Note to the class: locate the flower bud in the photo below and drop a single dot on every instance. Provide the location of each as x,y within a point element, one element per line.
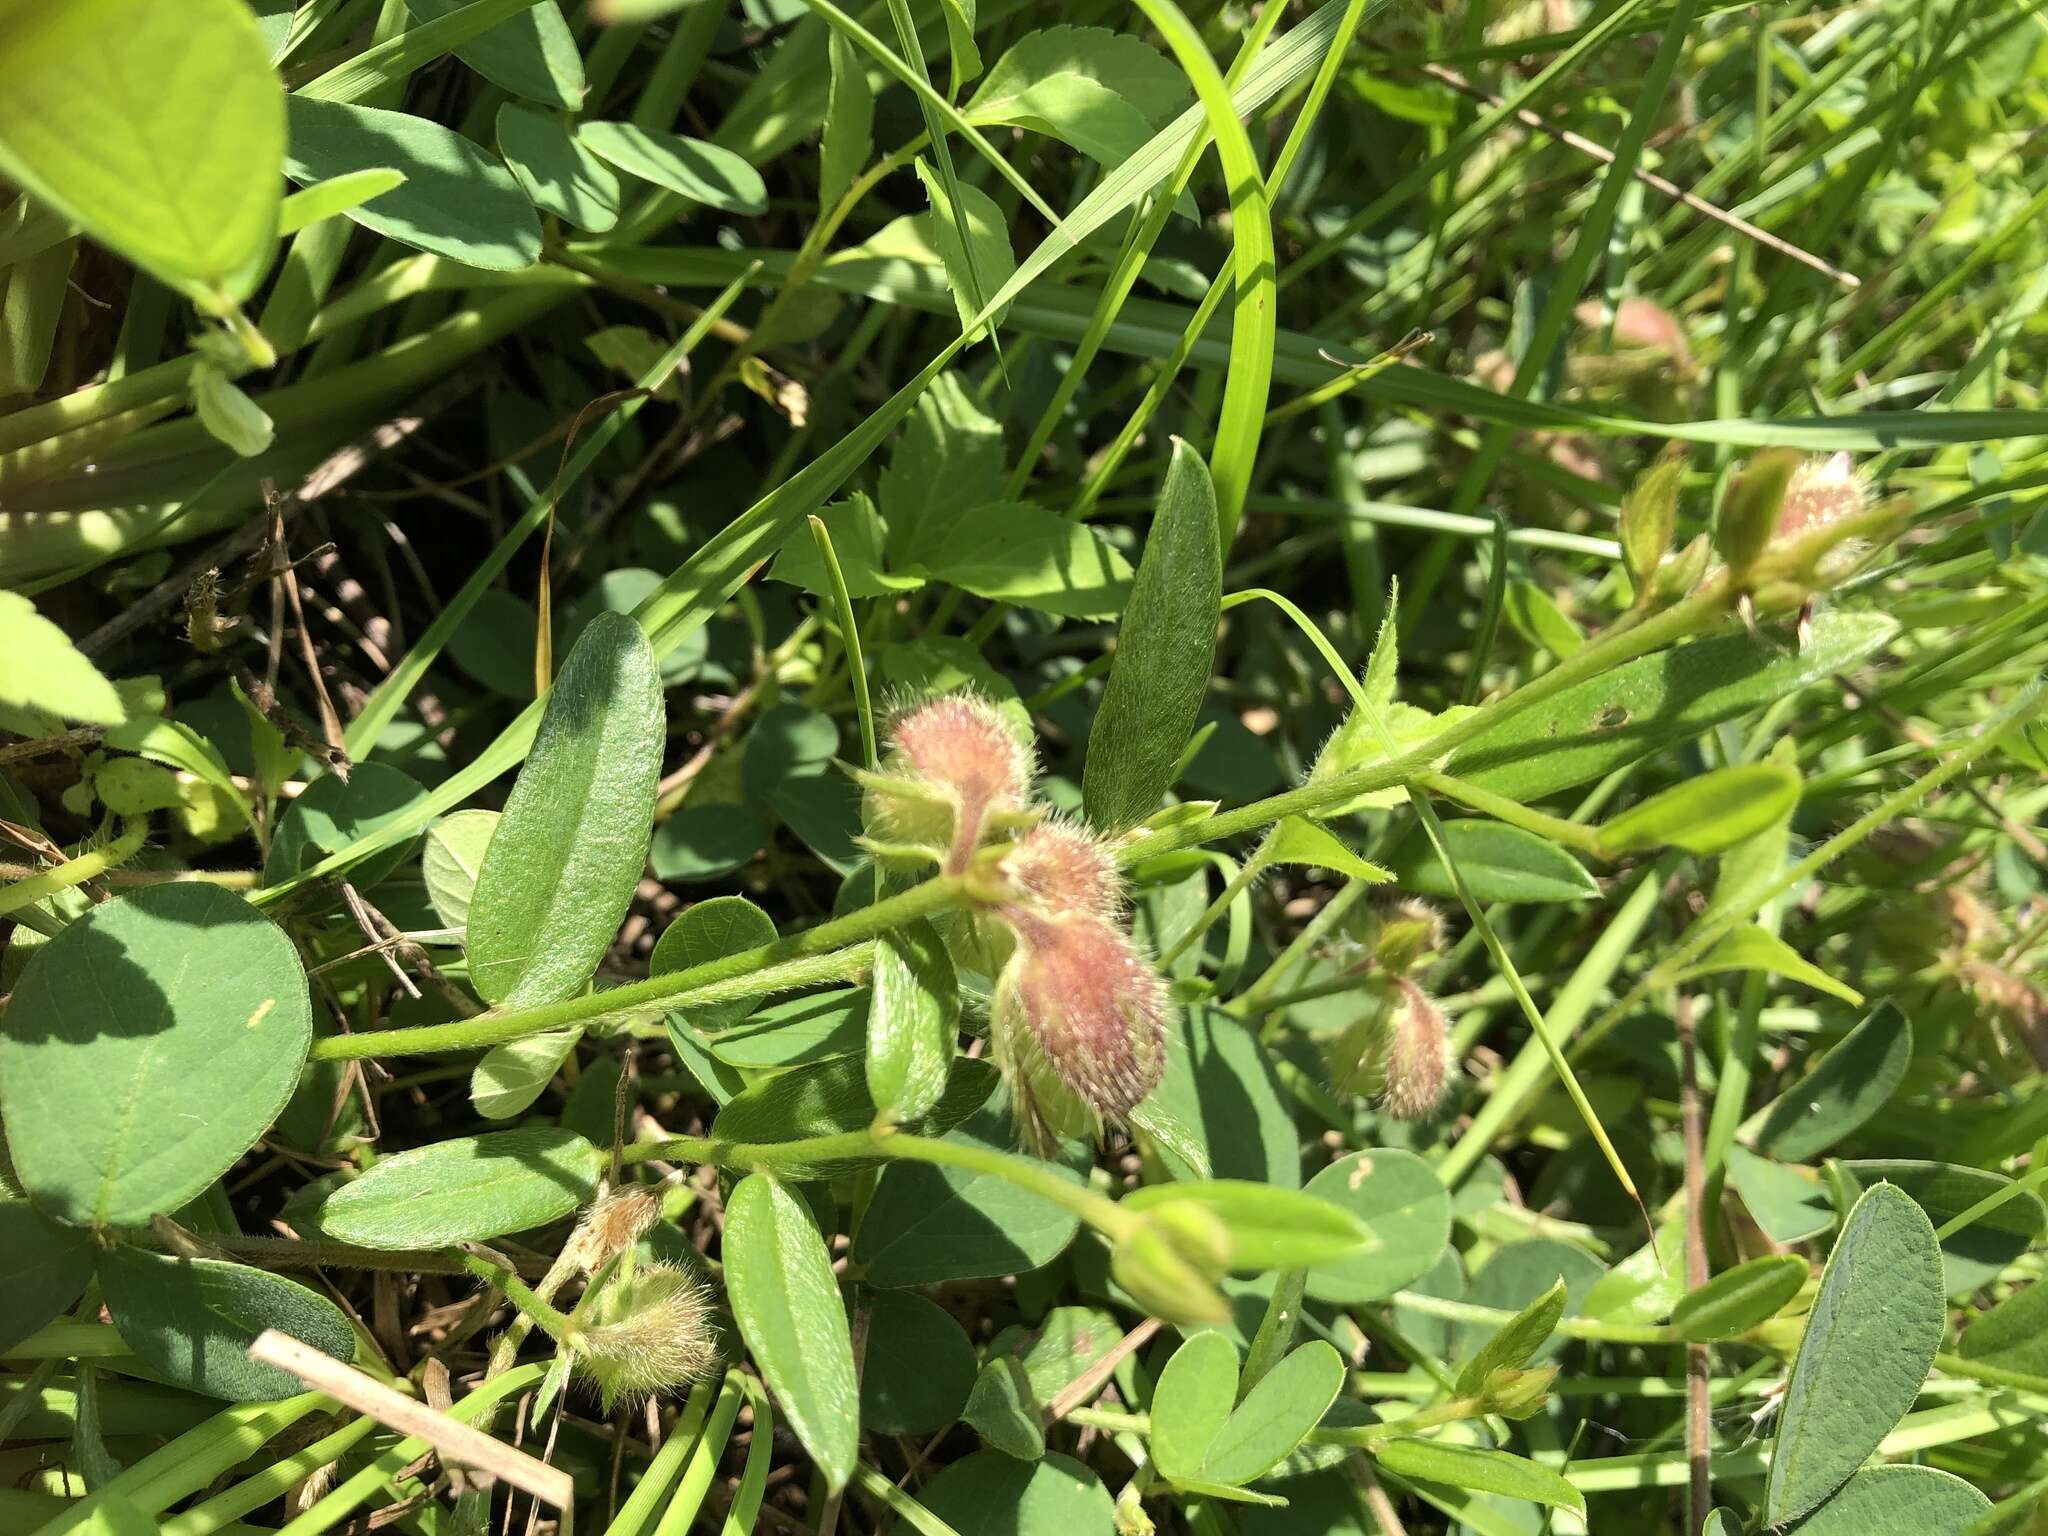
<point>1078,1001</point>
<point>1409,937</point>
<point>1061,869</point>
<point>954,765</point>
<point>611,1226</point>
<point>1418,1062</point>
<point>653,1335</point>
<point>1153,1263</point>
<point>1751,506</point>
<point>1517,1393</point>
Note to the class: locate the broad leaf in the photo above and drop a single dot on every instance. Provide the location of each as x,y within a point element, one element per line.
<point>973,241</point>
<point>1103,92</point>
<point>193,1320</point>
<point>45,671</point>
<point>2014,1334</point>
<point>1869,1340</point>
<point>991,1494</point>
<point>1841,1091</point>
<point>563,864</point>
<point>450,859</point>
<point>1401,1201</point>
<point>1789,1204</point>
<point>467,1189</point>
<point>1275,1416</point>
<point>43,1269</point>
<point>1269,1228</point>
<point>146,1047</point>
<point>532,54</point>
<point>831,1098</point>
<point>512,1076</point>
<point>786,1301</point>
<point>1196,1392</point>
<point>917,1369</point>
<point>557,173</point>
<point>1975,1255</point>
<point>157,128</point>
<point>950,458</point>
<point>1896,1501</point>
<point>711,930</point>
<point>1019,553</point>
<point>1003,1410</point>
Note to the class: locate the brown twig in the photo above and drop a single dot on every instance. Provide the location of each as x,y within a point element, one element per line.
<point>1089,1382</point>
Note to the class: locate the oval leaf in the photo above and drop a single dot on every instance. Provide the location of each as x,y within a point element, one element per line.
<point>712,930</point>
<point>1166,646</point>
<point>917,1369</point>
<point>43,1268</point>
<point>1842,1090</point>
<point>1974,1255</point>
<point>703,173</point>
<point>1871,1337</point>
<point>913,1021</point>
<point>511,1076</point>
<point>562,866</point>
<point>147,1046</point>
<point>157,128</point>
<point>1276,1415</point>
<point>1706,814</point>
<point>557,173</point>
<point>1269,1228</point>
<point>531,54</point>
<point>786,1301</point>
<point>457,201</point>
<point>2013,1334</point>
<point>1499,863</point>
<point>450,858</point>
<point>1738,1299</point>
<point>193,1321</point>
<point>1896,1501</point>
<point>832,1097</point>
<point>1402,1203</point>
<point>1191,1403</point>
<point>465,1190</point>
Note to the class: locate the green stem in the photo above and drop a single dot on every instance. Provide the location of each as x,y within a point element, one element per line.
<point>1513,812</point>
<point>794,961</point>
<point>1570,1327</point>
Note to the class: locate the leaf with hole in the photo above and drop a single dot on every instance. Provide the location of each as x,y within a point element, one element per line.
<point>120,1033</point>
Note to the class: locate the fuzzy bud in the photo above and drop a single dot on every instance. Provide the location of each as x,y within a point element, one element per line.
<point>1061,869</point>
<point>1078,996</point>
<point>611,1226</point>
<point>954,766</point>
<point>1821,493</point>
<point>1751,506</point>
<point>1418,1064</point>
<point>1170,1270</point>
<point>654,1335</point>
<point>1409,937</point>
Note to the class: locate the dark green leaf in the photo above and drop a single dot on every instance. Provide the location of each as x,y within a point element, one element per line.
<point>2014,1334</point>
<point>786,1301</point>
<point>1402,1203</point>
<point>1869,1340</point>
<point>849,125</point>
<point>43,1269</point>
<point>532,54</point>
<point>703,173</point>
<point>146,1047</point>
<point>466,1189</point>
<point>556,172</point>
<point>562,866</point>
<point>193,1320</point>
<point>1499,863</point>
<point>333,812</point>
<point>1977,1254</point>
<point>1166,646</point>
<point>1842,1090</point>
<point>711,930</point>
<point>831,1097</point>
<point>1895,1501</point>
<point>1003,1411</point>
<point>990,1494</point>
<point>917,1369</point>
<point>1737,1299</point>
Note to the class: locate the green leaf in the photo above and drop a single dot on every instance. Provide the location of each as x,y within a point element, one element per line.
<point>1869,1340</point>
<point>786,1301</point>
<point>1269,1228</point>
<point>228,414</point>
<point>966,58</point>
<point>1737,1299</point>
<point>1191,1403</point>
<point>991,1494</point>
<point>973,242</point>
<point>1275,1416</point>
<point>1519,1275</point>
<point>913,1021</point>
<point>512,1076</point>
<point>532,54</point>
<point>711,930</point>
<point>450,858</point>
<point>557,174</point>
<point>1754,948</point>
<point>949,459</point>
<point>332,813</point>
<point>45,671</point>
<point>562,867</point>
<point>467,1189</point>
<point>43,1269</point>
<point>1220,1085</point>
<point>1895,1501</point>
<point>1015,552</point>
<point>831,1097</point>
<point>2013,1334</point>
<point>337,194</point>
<point>1166,647</point>
<point>928,1225</point>
<point>1499,863</point>
<point>1515,1342</point>
<point>691,168</point>
<point>1297,840</point>
<point>849,124</point>
<point>193,1320</point>
<point>1626,713</point>
<point>1401,1201</point>
<point>157,129</point>
<point>917,1368</point>
<point>1101,91</point>
<point>1002,1410</point>
<point>1706,814</point>
<point>1535,614</point>
<point>1975,1255</point>
<point>147,1046</point>
<point>1483,1471</point>
<point>458,200</point>
<point>858,539</point>
<point>1788,1204</point>
<point>1842,1090</point>
<point>816,1027</point>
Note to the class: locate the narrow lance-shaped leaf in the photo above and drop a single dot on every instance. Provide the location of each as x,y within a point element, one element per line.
<point>1483,1471</point>
<point>1706,814</point>
<point>564,861</point>
<point>1165,648</point>
<point>787,1303</point>
<point>1842,1090</point>
<point>1739,1298</point>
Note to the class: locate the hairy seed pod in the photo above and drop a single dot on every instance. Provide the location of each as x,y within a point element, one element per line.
<point>1418,1065</point>
<point>1062,869</point>
<point>612,1226</point>
<point>654,1335</point>
<point>954,765</point>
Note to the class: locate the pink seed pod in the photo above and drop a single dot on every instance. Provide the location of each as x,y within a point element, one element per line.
<point>1821,493</point>
<point>1061,869</point>
<point>953,752</point>
<point>1418,1063</point>
<point>1078,999</point>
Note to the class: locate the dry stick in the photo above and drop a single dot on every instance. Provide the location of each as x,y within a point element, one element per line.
<point>454,1441</point>
<point>1669,188</point>
<point>330,721</point>
<point>332,472</point>
<point>1698,1370</point>
<point>1089,1382</point>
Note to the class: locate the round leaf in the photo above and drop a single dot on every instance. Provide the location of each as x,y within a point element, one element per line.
<point>468,1189</point>
<point>1406,1208</point>
<point>147,1046</point>
<point>917,1369</point>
